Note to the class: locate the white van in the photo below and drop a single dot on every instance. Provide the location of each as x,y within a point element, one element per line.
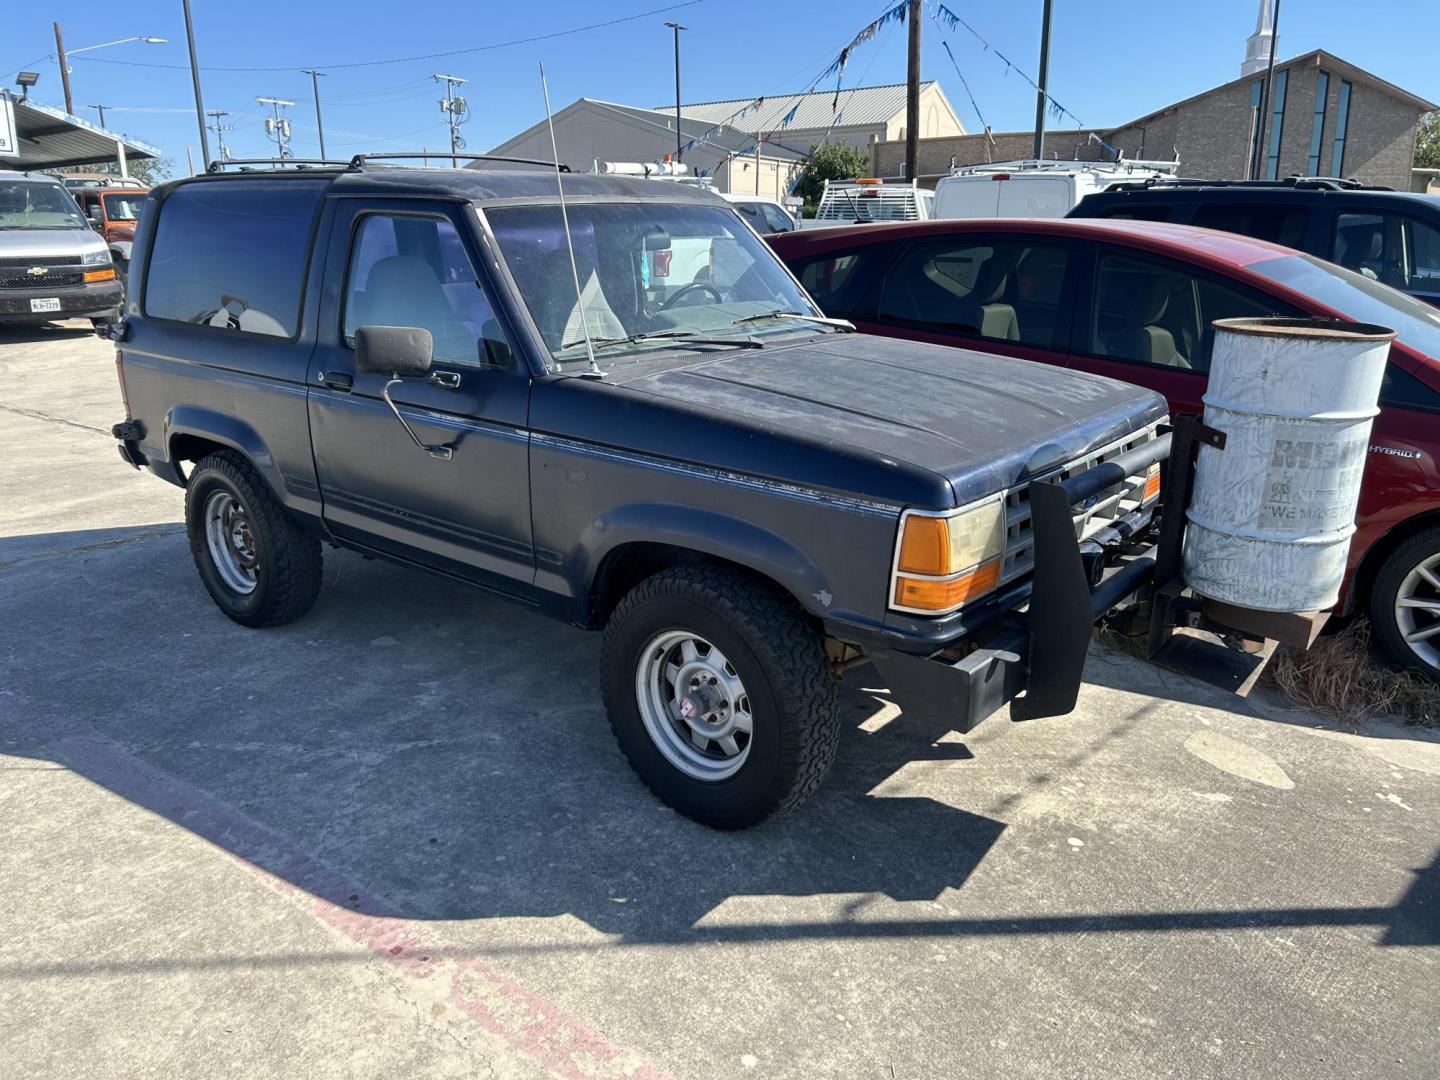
<point>1049,189</point>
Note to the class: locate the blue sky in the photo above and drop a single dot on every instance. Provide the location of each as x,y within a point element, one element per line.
<point>1111,60</point>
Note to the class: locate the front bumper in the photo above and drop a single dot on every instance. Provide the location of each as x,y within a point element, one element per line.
<point>76,302</point>
<point>1038,655</point>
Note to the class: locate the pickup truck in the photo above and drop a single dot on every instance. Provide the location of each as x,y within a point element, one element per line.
<point>455,370</point>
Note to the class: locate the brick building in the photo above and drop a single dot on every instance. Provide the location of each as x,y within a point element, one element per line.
<point>1326,117</point>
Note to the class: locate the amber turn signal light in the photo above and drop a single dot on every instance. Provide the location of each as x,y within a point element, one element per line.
<point>108,274</point>
<point>1152,486</point>
<point>929,594</point>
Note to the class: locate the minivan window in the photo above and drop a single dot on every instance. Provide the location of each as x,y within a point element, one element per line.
<point>231,254</point>
<point>27,204</point>
<point>1284,225</point>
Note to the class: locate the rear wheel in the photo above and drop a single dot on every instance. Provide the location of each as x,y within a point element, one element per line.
<point>720,695</point>
<point>258,565</point>
<point>1405,604</point>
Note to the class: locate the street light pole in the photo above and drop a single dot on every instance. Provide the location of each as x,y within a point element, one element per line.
<point>64,70</point>
<point>677,28</point>
<point>315,86</point>
<point>195,78</point>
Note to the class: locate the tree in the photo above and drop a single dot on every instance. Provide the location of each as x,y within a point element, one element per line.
<point>148,171</point>
<point>830,161</point>
<point>1427,142</point>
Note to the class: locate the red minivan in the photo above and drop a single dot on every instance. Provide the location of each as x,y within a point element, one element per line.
<point>1136,301</point>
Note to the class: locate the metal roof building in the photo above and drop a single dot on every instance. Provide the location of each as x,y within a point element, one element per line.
<point>50,138</point>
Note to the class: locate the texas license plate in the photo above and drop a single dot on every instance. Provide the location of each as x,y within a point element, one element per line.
<point>49,303</point>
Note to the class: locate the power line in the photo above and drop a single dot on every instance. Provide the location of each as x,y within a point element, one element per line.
<point>424,56</point>
<point>277,126</point>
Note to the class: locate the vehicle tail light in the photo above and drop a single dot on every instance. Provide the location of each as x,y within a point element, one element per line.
<point>1001,176</point>
<point>945,560</point>
<point>120,374</point>
<point>108,274</point>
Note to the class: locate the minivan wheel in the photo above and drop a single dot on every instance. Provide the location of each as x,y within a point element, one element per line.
<point>1405,604</point>
<point>720,695</point>
<point>258,565</point>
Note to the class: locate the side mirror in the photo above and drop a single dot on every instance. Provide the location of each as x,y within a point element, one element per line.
<point>96,220</point>
<point>393,350</point>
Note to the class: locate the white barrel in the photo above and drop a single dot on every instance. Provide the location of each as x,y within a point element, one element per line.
<point>1272,514</point>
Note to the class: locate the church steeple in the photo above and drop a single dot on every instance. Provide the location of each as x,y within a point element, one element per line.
<point>1259,44</point>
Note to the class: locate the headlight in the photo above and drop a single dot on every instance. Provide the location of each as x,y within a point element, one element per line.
<point>945,560</point>
<point>95,258</point>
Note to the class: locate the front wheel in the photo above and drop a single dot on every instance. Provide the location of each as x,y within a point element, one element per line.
<point>1405,604</point>
<point>720,695</point>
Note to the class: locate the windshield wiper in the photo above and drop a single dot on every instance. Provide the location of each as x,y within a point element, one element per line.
<point>839,324</point>
<point>689,337</point>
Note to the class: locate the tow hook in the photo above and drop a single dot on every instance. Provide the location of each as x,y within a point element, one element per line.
<point>129,431</point>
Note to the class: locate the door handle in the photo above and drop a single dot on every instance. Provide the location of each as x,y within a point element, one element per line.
<point>449,380</point>
<point>337,380</point>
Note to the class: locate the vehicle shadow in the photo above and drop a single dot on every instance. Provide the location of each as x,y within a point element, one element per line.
<point>33,333</point>
<point>421,750</point>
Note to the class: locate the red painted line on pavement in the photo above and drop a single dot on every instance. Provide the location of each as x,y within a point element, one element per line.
<point>535,1027</point>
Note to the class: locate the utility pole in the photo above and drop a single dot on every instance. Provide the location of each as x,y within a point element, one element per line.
<point>315,86</point>
<point>99,109</point>
<point>64,70</point>
<point>1041,97</point>
<point>912,96</point>
<point>456,113</point>
<point>677,28</point>
<point>199,103</point>
<point>1265,92</point>
<point>277,127</point>
<point>220,128</point>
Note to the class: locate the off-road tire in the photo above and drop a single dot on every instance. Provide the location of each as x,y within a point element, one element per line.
<point>777,652</point>
<point>1382,600</point>
<point>289,560</point>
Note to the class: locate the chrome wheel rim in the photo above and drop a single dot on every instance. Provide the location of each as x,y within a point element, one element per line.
<point>230,542</point>
<point>1417,610</point>
<point>694,705</point>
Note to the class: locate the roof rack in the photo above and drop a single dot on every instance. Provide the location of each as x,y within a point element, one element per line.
<point>1317,183</point>
<point>359,161</point>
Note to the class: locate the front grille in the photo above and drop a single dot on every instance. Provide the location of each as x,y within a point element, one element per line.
<point>40,281</point>
<point>1111,503</point>
<point>24,261</point>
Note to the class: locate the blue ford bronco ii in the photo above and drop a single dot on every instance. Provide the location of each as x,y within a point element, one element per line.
<point>634,419</point>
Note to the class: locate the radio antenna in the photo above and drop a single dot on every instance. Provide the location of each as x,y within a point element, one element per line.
<point>594,371</point>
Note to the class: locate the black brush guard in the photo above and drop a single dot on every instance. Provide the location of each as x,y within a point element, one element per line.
<point>1037,657</point>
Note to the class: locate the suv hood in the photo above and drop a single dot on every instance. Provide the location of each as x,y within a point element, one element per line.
<point>983,422</point>
<point>22,243</point>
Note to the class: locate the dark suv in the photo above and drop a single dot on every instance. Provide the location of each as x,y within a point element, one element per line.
<point>1388,236</point>
<point>634,419</point>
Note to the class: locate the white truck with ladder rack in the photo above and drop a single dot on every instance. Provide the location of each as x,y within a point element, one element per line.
<point>1033,188</point>
<point>871,199</point>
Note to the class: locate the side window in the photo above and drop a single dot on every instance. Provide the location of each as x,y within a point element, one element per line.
<point>776,219</point>
<point>1003,290</point>
<point>1370,244</point>
<point>1403,390</point>
<point>1283,225</point>
<point>412,270</point>
<point>835,281</point>
<point>1422,255</point>
<point>231,254</point>
<point>1138,212</point>
<point>1155,313</point>
<point>752,215</point>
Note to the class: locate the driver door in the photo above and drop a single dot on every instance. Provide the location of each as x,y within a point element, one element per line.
<point>409,263</point>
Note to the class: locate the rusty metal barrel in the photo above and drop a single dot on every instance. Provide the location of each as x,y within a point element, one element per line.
<point>1271,516</point>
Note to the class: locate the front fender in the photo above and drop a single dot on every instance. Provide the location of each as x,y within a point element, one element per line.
<point>707,532</point>
<point>120,249</point>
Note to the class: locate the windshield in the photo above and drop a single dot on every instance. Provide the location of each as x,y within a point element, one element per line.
<point>1416,324</point>
<point>28,205</point>
<point>645,268</point>
<point>123,207</point>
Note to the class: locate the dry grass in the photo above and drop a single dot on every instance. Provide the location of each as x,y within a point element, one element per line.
<point>1339,678</point>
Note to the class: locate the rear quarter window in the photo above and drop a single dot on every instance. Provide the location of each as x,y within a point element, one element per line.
<point>231,255</point>
<point>838,281</point>
<point>1128,211</point>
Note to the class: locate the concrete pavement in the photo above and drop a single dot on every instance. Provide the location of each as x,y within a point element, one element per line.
<point>396,839</point>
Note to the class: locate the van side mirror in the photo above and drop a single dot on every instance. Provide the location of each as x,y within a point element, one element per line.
<point>393,350</point>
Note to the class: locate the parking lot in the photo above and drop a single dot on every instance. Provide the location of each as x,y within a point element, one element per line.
<point>397,839</point>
